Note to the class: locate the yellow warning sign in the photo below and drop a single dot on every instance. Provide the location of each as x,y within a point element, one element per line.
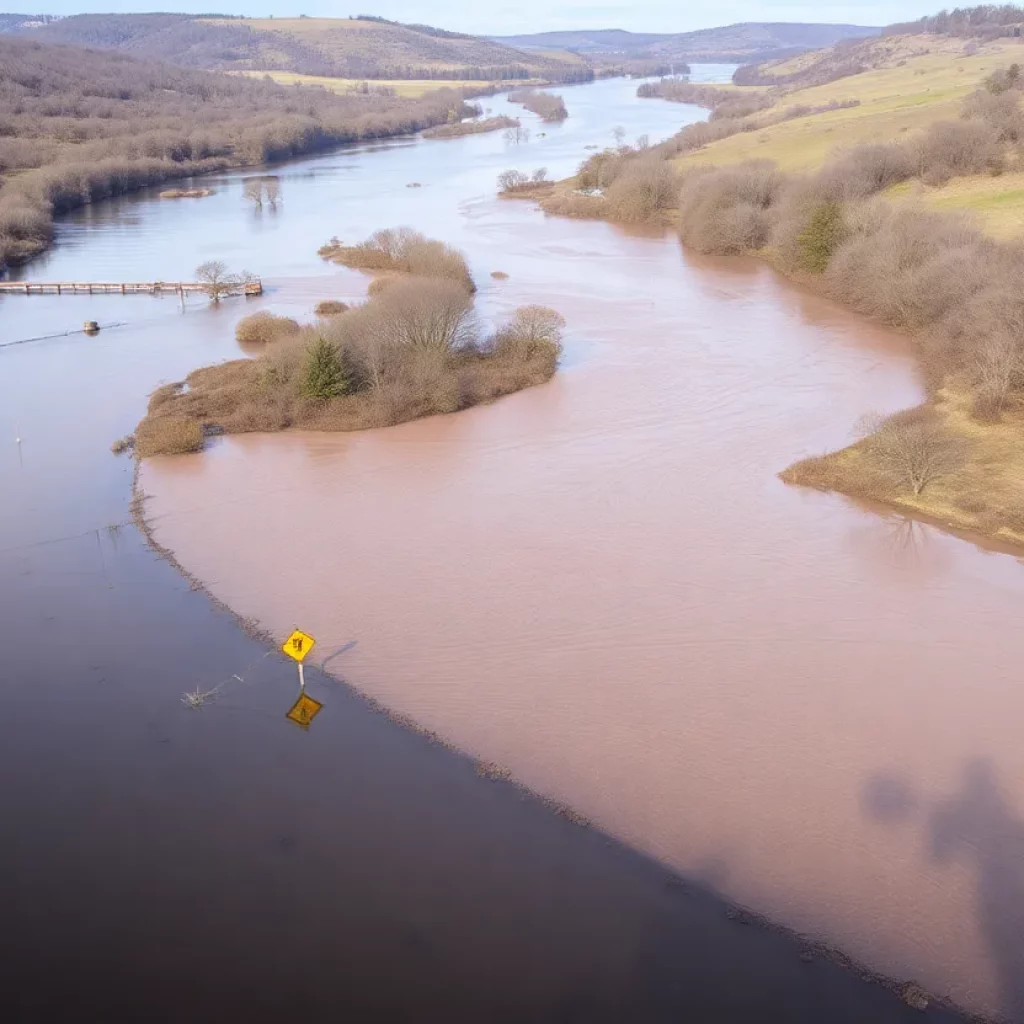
<point>304,710</point>
<point>298,645</point>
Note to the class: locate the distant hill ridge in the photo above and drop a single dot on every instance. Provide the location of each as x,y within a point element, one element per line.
<point>746,41</point>
<point>359,47</point>
<point>368,46</point>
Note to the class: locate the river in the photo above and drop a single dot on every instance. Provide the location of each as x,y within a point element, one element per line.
<point>600,584</point>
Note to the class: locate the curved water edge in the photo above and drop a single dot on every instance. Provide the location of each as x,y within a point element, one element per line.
<point>600,585</point>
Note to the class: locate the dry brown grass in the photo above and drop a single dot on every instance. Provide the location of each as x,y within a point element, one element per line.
<point>265,327</point>
<point>168,435</point>
<point>415,349</point>
<point>499,275</point>
<point>980,487</point>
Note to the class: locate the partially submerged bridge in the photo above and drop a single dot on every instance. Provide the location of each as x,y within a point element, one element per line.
<point>251,286</point>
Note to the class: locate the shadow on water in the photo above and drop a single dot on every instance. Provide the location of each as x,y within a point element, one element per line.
<point>977,826</point>
<point>245,869</point>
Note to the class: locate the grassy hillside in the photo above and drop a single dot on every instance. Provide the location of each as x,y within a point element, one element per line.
<point>749,41</point>
<point>909,83</point>
<point>354,48</point>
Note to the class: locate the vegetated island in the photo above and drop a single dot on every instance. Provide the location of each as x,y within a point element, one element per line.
<point>547,106</point>
<point>80,125</point>
<point>414,348</point>
<point>471,127</point>
<point>881,226</point>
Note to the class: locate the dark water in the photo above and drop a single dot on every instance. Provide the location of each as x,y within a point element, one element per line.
<point>166,864</point>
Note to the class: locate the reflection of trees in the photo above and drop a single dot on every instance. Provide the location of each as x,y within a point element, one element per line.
<point>262,190</point>
<point>906,537</point>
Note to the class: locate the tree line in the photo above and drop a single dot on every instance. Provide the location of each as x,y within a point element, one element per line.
<point>78,125</point>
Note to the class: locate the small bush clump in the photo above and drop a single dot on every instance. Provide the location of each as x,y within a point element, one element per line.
<point>264,327</point>
<point>168,435</point>
<point>330,307</point>
<point>402,250</point>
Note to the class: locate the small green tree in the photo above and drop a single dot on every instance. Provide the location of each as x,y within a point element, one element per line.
<point>819,240</point>
<point>323,376</point>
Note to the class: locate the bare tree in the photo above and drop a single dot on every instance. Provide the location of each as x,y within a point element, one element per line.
<point>511,181</point>
<point>272,190</point>
<point>214,276</point>
<point>431,315</point>
<point>914,448</point>
<point>619,135</point>
<point>643,142</point>
<point>997,369</point>
<point>540,176</point>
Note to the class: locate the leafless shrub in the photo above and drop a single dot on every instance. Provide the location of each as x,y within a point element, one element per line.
<point>533,331</point>
<point>913,449</point>
<point>950,148</point>
<point>1000,110</point>
<point>331,307</point>
<point>905,266</point>
<point>996,373</point>
<point>406,251</point>
<point>866,170</point>
<point>264,327</point>
<point>601,169</point>
<point>643,191</point>
<point>729,210</point>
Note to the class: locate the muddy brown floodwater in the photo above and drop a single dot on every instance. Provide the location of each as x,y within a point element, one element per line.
<point>599,584</point>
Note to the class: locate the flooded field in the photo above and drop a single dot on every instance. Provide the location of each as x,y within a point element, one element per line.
<point>598,584</point>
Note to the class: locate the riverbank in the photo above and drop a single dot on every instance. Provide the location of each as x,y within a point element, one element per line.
<point>856,230</point>
<point>206,122</point>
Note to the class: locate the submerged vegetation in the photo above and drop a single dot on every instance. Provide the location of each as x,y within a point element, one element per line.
<point>474,127</point>
<point>547,106</point>
<point>415,348</point>
<point>80,125</point>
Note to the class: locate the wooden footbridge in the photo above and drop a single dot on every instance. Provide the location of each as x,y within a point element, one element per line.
<point>251,286</point>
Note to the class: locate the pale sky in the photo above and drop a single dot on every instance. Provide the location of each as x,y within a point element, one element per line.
<point>493,17</point>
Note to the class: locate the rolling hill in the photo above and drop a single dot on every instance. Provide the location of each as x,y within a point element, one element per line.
<point>338,47</point>
<point>748,41</point>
